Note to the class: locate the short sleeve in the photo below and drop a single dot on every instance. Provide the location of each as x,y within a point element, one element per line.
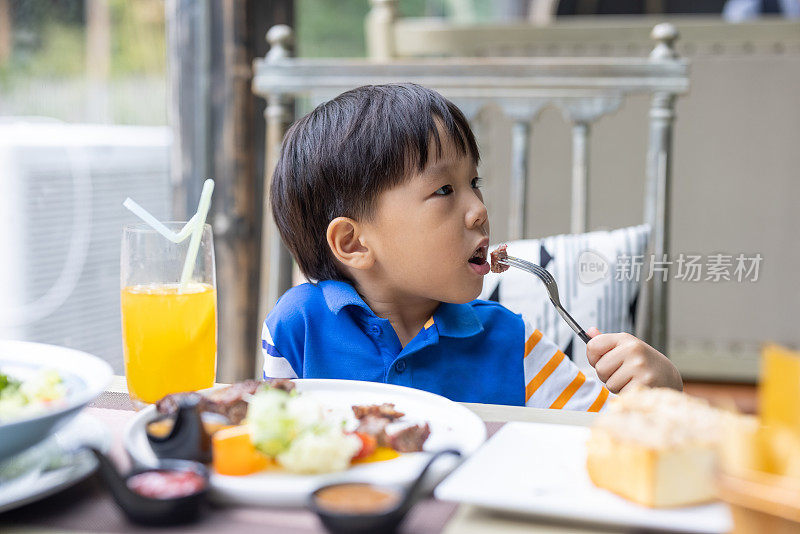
<point>275,365</point>
<point>283,338</point>
<point>553,381</point>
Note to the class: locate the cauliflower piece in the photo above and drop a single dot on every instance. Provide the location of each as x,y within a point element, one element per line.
<point>324,450</point>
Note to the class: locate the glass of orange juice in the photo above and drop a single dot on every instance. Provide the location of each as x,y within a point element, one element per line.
<point>169,330</point>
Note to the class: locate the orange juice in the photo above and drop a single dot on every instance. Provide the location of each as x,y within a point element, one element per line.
<point>169,339</point>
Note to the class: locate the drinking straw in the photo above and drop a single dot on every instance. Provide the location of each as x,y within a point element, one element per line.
<point>193,228</point>
<point>143,214</point>
<point>197,232</point>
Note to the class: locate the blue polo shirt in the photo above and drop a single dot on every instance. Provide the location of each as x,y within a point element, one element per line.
<point>475,352</point>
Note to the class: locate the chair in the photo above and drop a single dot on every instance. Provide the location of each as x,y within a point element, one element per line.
<point>585,89</point>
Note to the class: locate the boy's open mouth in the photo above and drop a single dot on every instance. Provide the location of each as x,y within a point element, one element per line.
<point>479,256</point>
<point>478,261</point>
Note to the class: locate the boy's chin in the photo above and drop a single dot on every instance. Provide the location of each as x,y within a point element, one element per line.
<point>465,296</point>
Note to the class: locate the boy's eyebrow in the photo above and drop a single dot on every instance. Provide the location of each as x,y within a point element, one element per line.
<point>442,167</point>
<point>438,168</point>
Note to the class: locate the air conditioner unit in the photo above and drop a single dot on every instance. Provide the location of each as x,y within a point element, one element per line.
<point>61,218</point>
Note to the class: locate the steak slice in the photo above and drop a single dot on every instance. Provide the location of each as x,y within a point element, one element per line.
<point>284,384</point>
<point>498,255</point>
<point>374,419</point>
<point>376,427</point>
<point>169,404</point>
<point>410,439</point>
<point>230,401</point>
<point>385,410</point>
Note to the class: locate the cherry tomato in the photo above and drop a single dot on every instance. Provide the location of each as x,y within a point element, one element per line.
<point>368,445</point>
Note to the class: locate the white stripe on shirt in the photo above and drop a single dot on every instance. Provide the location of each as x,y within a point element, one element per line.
<point>265,335</point>
<point>274,366</point>
<point>277,367</point>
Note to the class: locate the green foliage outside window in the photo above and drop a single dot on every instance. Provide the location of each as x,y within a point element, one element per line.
<point>335,28</point>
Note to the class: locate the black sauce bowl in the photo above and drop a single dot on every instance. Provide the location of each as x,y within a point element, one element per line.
<point>187,438</point>
<point>148,510</point>
<point>381,522</point>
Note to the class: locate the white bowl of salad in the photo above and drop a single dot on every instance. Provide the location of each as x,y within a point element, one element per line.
<point>41,388</point>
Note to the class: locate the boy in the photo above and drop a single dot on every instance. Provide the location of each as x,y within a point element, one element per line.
<point>377,197</point>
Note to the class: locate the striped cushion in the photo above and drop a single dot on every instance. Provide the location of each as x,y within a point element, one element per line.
<point>607,301</point>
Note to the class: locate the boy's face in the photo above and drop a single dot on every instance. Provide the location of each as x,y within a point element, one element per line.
<point>430,235</point>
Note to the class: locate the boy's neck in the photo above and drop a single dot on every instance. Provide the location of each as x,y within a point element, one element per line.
<point>407,314</point>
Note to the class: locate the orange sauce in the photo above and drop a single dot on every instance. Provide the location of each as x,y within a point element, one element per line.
<point>160,428</point>
<point>356,499</point>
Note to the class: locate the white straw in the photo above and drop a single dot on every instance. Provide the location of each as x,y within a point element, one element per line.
<point>199,221</point>
<point>193,228</point>
<point>143,214</point>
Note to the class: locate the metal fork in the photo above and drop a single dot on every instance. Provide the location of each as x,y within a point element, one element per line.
<point>552,290</point>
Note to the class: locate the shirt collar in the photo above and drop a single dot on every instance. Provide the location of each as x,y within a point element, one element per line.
<point>456,320</point>
<point>340,294</point>
<point>452,320</point>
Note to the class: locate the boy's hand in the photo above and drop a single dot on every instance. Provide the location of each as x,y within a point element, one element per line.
<point>623,361</point>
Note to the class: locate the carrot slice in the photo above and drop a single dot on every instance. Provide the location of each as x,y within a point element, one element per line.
<point>235,455</point>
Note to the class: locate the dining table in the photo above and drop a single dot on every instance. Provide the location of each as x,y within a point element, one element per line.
<point>87,507</point>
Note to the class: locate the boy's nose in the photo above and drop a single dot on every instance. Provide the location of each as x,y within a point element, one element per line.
<point>477,215</point>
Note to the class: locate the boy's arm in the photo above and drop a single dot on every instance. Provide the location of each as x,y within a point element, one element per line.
<point>553,381</point>
<point>623,361</point>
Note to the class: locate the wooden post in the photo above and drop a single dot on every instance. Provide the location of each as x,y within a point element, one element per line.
<point>187,93</point>
<point>234,212</point>
<point>218,133</point>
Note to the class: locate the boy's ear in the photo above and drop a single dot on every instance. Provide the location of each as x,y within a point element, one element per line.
<point>344,241</point>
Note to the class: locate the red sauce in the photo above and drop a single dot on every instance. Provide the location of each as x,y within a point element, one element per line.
<point>166,484</point>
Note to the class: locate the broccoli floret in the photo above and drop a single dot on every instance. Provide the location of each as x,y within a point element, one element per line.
<point>8,384</point>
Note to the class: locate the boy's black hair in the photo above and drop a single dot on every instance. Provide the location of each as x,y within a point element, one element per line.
<point>336,160</point>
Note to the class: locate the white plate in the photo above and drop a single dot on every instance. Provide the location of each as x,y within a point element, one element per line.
<point>539,469</point>
<point>452,426</point>
<point>86,377</point>
<point>44,479</point>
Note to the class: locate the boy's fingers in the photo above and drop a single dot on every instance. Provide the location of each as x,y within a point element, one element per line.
<point>619,380</point>
<point>609,364</point>
<point>602,343</point>
<point>593,331</point>
<point>632,384</point>
<point>622,378</point>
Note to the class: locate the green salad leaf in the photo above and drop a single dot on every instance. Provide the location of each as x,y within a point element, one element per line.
<point>19,398</point>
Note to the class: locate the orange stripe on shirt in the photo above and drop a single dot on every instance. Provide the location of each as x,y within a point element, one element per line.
<point>428,324</point>
<point>542,375</point>
<point>568,392</point>
<point>599,401</point>
<point>532,341</point>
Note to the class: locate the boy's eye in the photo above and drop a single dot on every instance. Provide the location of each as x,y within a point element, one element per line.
<point>477,182</point>
<point>444,190</point>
